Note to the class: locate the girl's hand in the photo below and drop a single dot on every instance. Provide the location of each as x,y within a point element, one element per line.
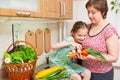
<point>76,46</point>
<point>79,56</point>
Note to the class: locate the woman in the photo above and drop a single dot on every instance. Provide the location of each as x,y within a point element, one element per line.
<point>103,37</point>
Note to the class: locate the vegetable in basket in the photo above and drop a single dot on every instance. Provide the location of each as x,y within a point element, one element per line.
<point>7,58</point>
<point>22,61</point>
<point>20,54</point>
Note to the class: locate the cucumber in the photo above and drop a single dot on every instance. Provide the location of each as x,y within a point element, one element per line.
<point>51,75</point>
<point>59,76</point>
<point>55,73</point>
<point>45,78</point>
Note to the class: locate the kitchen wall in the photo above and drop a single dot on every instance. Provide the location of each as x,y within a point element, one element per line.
<point>22,26</point>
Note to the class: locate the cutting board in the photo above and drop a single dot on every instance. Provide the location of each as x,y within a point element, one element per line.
<point>39,41</point>
<point>47,40</point>
<point>30,37</point>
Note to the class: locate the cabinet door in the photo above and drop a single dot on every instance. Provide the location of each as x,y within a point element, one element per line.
<point>67,9</point>
<point>51,8</point>
<point>21,8</point>
<point>60,9</point>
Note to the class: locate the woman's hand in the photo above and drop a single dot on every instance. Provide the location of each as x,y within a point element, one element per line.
<point>91,57</point>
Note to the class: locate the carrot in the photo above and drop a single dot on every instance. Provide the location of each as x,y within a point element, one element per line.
<point>83,54</point>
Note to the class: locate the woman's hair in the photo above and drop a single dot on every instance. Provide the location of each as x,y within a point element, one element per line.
<point>78,25</point>
<point>100,5</point>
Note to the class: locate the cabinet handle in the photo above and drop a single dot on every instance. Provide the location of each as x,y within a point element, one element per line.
<point>64,9</point>
<point>26,14</point>
<point>61,9</point>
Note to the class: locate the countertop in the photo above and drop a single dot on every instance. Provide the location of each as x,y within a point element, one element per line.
<point>3,74</point>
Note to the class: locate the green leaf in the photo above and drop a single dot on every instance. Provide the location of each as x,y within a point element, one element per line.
<point>112,2</point>
<point>96,54</point>
<point>23,54</point>
<point>117,10</point>
<point>7,55</point>
<point>17,57</point>
<point>115,6</point>
<point>59,76</point>
<point>119,5</point>
<point>112,7</point>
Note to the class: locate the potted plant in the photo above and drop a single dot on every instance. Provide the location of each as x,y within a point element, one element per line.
<point>115,5</point>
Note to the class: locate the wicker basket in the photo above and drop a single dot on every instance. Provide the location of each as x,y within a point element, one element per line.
<point>20,71</point>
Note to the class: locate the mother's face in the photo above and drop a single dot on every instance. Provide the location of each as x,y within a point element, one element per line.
<point>94,14</point>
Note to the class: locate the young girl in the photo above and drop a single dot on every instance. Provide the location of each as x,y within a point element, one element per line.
<point>76,72</point>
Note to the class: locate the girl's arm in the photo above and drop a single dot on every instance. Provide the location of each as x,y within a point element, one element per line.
<point>64,44</point>
<point>60,45</point>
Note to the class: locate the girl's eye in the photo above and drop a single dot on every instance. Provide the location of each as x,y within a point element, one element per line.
<point>80,35</point>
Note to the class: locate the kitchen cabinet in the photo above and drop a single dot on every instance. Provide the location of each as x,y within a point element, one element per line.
<point>56,9</point>
<point>61,9</point>
<point>68,9</point>
<point>21,8</point>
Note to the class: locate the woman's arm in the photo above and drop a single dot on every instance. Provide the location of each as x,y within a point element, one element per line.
<point>113,50</point>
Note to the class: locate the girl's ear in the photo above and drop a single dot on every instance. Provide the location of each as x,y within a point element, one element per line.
<point>72,33</point>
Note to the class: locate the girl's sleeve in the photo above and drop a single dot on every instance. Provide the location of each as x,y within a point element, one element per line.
<point>69,39</point>
<point>111,31</point>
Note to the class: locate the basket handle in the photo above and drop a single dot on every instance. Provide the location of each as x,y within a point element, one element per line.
<point>18,41</point>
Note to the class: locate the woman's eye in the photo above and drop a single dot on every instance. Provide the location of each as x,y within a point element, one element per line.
<point>93,12</point>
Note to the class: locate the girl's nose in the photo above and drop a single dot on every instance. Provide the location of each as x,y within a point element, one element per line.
<point>82,38</point>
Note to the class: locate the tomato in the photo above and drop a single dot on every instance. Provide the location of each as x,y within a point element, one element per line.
<point>84,53</point>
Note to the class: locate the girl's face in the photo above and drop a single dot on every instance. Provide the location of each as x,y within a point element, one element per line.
<point>80,35</point>
<point>94,15</point>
